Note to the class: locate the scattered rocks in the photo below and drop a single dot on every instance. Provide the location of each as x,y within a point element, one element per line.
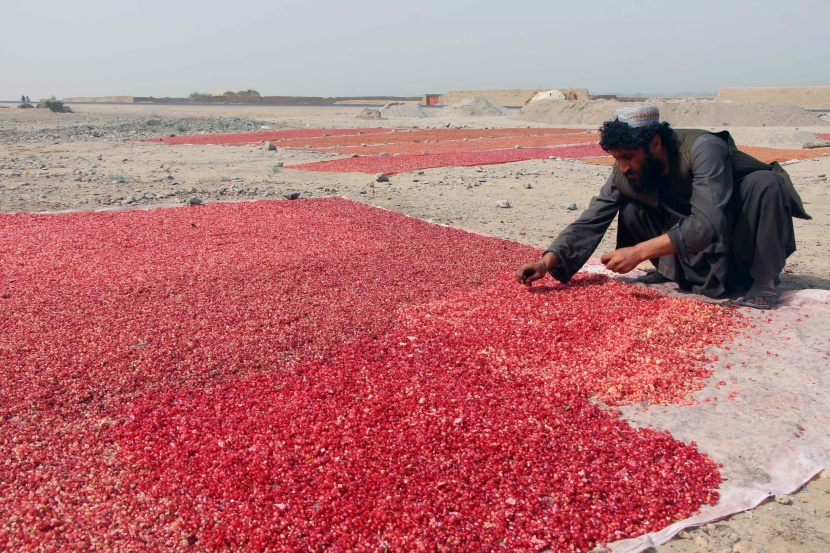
<point>194,200</point>
<point>381,177</point>
<point>270,146</point>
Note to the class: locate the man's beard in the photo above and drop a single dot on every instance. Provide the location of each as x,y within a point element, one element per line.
<point>650,176</point>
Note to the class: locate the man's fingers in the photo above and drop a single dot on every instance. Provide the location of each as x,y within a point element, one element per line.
<point>527,274</point>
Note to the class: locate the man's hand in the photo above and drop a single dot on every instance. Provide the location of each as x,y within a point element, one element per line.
<point>534,271</point>
<point>622,260</point>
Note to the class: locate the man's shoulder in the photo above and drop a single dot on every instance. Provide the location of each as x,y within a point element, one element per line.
<point>694,141</point>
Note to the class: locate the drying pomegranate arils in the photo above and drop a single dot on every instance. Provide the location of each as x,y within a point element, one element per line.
<point>403,163</point>
<point>325,375</point>
<point>443,146</point>
<point>238,139</point>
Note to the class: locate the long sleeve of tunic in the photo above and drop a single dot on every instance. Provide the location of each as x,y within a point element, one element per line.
<point>575,245</point>
<point>702,217</point>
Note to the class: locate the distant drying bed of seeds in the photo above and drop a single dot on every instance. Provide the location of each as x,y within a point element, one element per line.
<point>320,374</point>
<point>390,151</point>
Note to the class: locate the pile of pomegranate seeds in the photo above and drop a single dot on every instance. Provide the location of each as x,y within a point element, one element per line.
<point>429,136</point>
<point>768,155</point>
<point>237,139</point>
<point>457,146</point>
<point>401,164</point>
<point>322,374</point>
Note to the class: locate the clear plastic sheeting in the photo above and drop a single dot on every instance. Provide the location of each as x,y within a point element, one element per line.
<point>764,415</point>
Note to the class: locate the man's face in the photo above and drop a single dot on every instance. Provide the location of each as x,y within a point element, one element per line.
<point>642,168</point>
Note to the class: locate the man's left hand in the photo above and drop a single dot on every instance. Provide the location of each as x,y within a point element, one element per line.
<point>622,260</point>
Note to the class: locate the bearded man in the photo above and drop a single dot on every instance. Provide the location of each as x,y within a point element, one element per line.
<point>709,217</point>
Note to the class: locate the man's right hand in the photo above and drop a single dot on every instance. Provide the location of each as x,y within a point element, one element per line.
<point>534,271</point>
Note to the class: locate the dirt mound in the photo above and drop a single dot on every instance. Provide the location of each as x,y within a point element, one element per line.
<point>369,113</point>
<point>475,106</point>
<point>402,109</point>
<point>680,112</point>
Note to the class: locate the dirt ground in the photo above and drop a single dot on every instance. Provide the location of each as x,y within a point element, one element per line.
<point>91,159</point>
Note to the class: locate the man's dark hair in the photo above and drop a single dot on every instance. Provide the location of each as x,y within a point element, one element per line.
<point>618,134</point>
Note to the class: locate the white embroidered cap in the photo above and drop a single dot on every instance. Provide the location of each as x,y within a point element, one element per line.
<point>638,116</point>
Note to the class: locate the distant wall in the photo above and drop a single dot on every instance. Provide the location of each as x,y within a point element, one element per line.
<point>807,97</point>
<point>101,99</point>
<point>511,97</point>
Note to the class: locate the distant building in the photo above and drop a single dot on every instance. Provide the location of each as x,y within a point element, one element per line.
<point>431,100</point>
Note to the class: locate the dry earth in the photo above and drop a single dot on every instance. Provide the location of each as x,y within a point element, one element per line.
<point>90,159</point>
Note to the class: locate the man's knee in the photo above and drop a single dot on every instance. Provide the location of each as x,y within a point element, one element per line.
<point>762,186</point>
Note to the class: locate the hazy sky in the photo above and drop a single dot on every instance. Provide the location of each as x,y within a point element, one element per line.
<point>372,47</point>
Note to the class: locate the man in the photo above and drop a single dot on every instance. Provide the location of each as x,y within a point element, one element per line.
<point>707,215</point>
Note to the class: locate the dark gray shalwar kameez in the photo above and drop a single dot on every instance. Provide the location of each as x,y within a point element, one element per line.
<point>729,226</point>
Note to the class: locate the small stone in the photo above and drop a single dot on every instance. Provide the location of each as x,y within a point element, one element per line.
<point>291,195</point>
<point>528,186</point>
<point>381,177</point>
<point>270,146</point>
<point>825,474</point>
<point>701,542</point>
<point>784,499</point>
<point>570,206</point>
<point>504,204</point>
<point>279,164</point>
<point>383,154</point>
<point>684,535</point>
<point>149,196</point>
<point>194,200</point>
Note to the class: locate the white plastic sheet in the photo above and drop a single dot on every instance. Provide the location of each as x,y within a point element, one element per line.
<point>773,435</point>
